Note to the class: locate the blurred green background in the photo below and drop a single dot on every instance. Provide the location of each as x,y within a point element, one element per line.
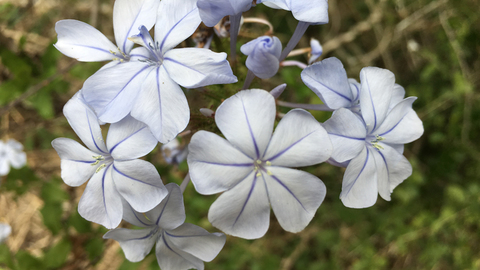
<point>432,222</point>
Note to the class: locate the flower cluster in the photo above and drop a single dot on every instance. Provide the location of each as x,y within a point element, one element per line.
<point>138,93</point>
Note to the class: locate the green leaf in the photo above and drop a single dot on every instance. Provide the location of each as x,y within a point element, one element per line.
<point>94,248</point>
<point>80,224</point>
<point>52,192</point>
<point>25,261</point>
<point>57,255</point>
<point>52,216</point>
<point>5,257</point>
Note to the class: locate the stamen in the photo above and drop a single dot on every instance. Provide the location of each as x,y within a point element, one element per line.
<point>268,163</point>
<point>269,172</point>
<point>259,174</point>
<point>100,167</point>
<point>97,159</point>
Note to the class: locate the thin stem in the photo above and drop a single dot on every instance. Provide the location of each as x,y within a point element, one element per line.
<point>260,20</point>
<point>234,27</point>
<point>248,79</point>
<point>185,182</point>
<point>315,107</point>
<point>293,63</point>
<point>297,35</point>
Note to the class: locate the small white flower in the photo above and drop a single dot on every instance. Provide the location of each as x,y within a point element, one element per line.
<point>11,154</point>
<point>5,231</point>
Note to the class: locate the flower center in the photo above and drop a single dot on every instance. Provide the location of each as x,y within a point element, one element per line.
<point>260,165</point>
<point>375,142</point>
<point>145,39</point>
<point>103,161</point>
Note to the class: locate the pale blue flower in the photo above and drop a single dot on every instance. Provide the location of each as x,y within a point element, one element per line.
<point>316,52</point>
<point>371,141</point>
<point>5,231</point>
<point>112,167</point>
<point>263,53</point>
<point>179,245</point>
<point>11,154</point>
<point>212,11</point>
<point>251,167</point>
<point>149,89</point>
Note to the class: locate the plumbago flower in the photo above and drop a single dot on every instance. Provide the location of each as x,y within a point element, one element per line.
<point>263,54</point>
<point>85,43</point>
<point>316,52</point>
<point>251,168</point>
<point>149,90</point>
<point>372,144</point>
<point>179,245</point>
<point>11,154</point>
<point>113,168</point>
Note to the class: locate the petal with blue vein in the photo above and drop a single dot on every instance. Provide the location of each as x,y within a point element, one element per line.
<point>128,16</point>
<point>135,218</point>
<point>83,42</point>
<point>244,210</point>
<point>170,213</point>
<point>246,120</point>
<point>140,54</point>
<point>359,186</point>
<point>212,11</point>
<point>76,161</point>
<point>130,139</point>
<point>139,183</point>
<point>162,105</point>
<point>197,67</point>
<point>136,244</point>
<point>215,165</point>
<point>169,257</point>
<point>299,140</point>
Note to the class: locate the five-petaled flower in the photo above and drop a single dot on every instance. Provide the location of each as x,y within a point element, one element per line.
<point>179,245</point>
<point>113,168</point>
<point>251,166</point>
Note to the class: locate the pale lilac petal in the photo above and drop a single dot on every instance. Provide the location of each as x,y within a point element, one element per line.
<point>316,52</point>
<point>85,123</point>
<point>77,162</point>
<point>176,21</point>
<point>299,140</point>
<point>312,11</point>
<point>375,95</point>
<point>162,105</point>
<point>215,165</point>
<point>140,54</point>
<point>170,213</point>
<point>246,120</point>
<point>139,183</point>
<point>347,133</point>
<point>402,124</point>
<point>263,54</point>
<point>392,169</point>
<point>128,16</point>
<point>135,218</point>
<point>197,241</point>
<point>244,210</point>
<point>82,41</point>
<point>4,166</point>
<point>6,230</point>
<point>136,244</point>
<point>101,203</point>
<point>359,187</point>
<point>169,257</point>
<point>112,92</point>
<point>328,80</point>
<point>398,95</point>
<point>15,154</point>
<point>129,139</point>
<point>212,11</point>
<point>197,67</point>
<point>355,87</point>
<point>294,195</point>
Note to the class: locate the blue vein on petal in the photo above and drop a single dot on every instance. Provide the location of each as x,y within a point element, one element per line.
<point>91,132</point>
<point>166,244</point>
<point>103,191</point>
<point>284,186</point>
<point>164,206</point>
<point>175,25</point>
<point>364,165</point>
<point>358,91</point>
<point>181,64</point>
<point>347,137</point>
<point>286,149</point>
<point>130,29</point>
<point>251,132</point>
<point>373,105</point>
<point>223,164</point>
<point>144,237</point>
<point>390,130</point>
<point>341,95</point>
<point>246,200</point>
<point>135,214</point>
<point>126,138</point>
<point>82,161</point>
<point>128,176</point>
<point>159,97</point>
<point>182,236</point>
<point>95,48</point>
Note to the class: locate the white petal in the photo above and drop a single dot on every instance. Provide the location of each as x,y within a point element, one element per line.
<point>197,67</point>
<point>162,105</point>
<point>136,244</point>
<point>299,140</point>
<point>176,21</point>
<point>212,11</point>
<point>295,196</point>
<point>85,123</point>
<point>197,241</point>
<point>140,54</point>
<point>347,133</point>
<point>129,139</point>
<point>139,183</point>
<point>169,257</point>
<point>15,154</point>
<point>402,124</point>
<point>215,165</point>
<point>76,161</point>
<point>398,95</point>
<point>392,169</point>
<point>135,218</point>
<point>243,211</point>
<point>377,89</point>
<point>111,92</point>
<point>246,120</point>
<point>328,79</point>
<point>101,203</point>
<point>170,213</point>
<point>79,40</point>
<point>4,166</point>
<point>359,187</point>
<point>128,16</point>
<point>5,231</point>
<point>312,11</point>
